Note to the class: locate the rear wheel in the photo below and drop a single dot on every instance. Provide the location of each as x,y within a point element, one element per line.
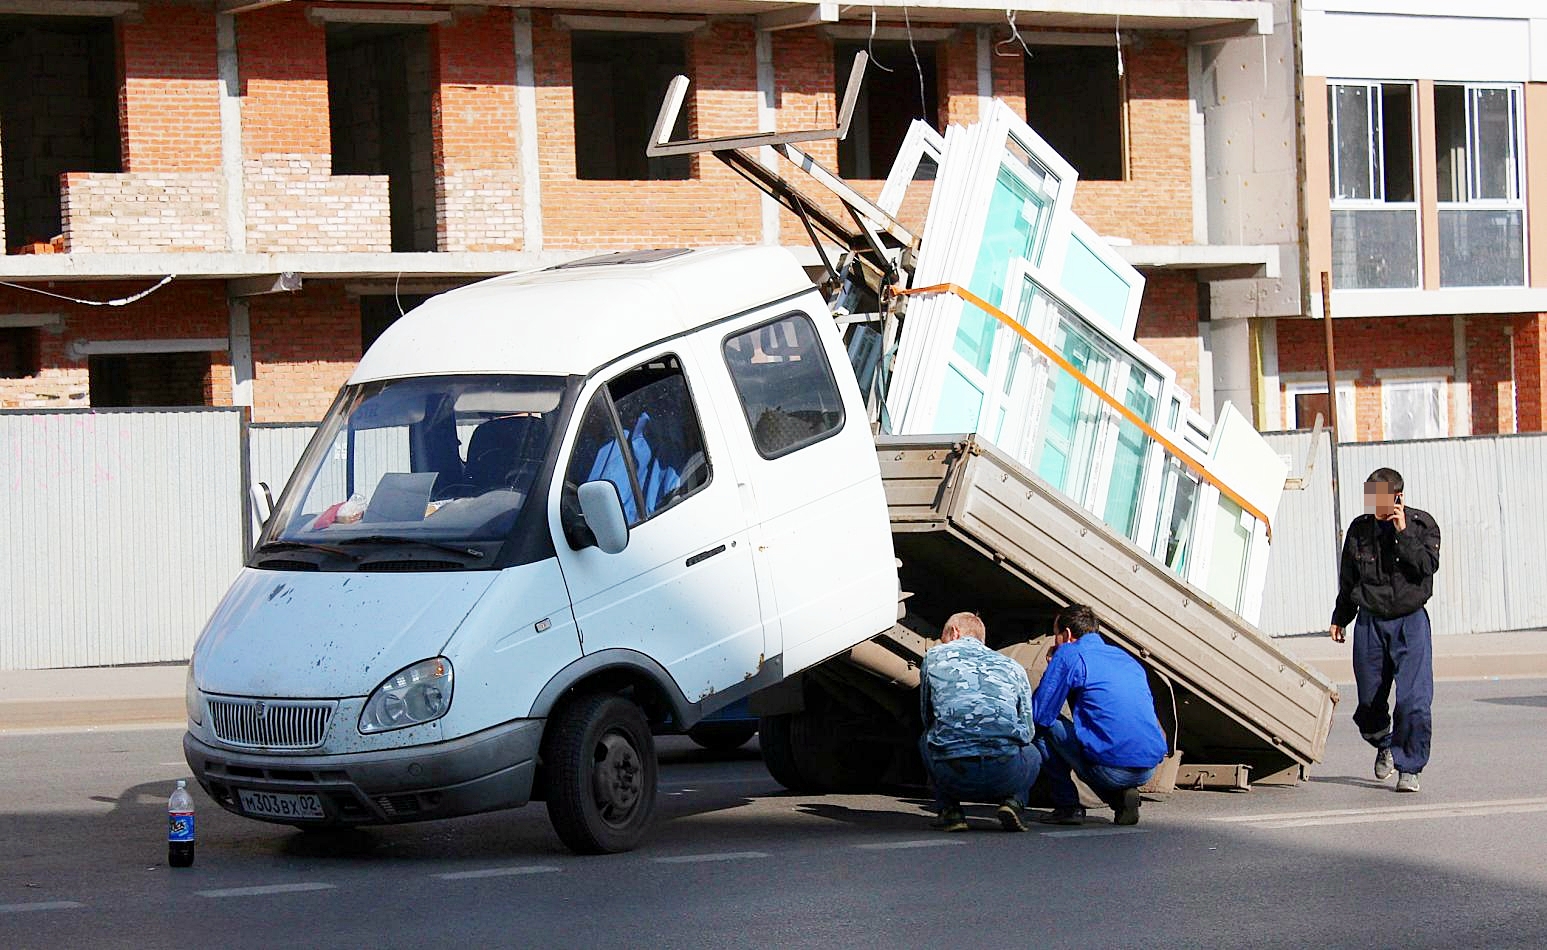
<point>600,768</point>
<point>722,736</point>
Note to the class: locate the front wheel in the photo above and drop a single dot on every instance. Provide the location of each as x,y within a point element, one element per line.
<point>599,759</point>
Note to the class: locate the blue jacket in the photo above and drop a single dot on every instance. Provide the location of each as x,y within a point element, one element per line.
<point>656,479</point>
<point>1109,697</point>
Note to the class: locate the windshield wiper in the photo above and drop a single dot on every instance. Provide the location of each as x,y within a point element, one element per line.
<point>397,539</point>
<point>306,545</point>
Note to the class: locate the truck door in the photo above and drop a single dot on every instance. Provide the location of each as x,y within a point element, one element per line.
<point>683,591</point>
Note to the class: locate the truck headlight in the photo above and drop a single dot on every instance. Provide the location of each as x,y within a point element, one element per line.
<point>416,694</point>
<point>192,698</point>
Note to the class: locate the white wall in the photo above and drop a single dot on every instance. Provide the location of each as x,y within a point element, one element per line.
<point>1478,41</point>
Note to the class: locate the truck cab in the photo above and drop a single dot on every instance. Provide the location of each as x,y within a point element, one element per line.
<point>549,516</point>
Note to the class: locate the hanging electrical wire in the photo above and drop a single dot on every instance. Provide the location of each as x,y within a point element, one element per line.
<point>119,302</point>
<point>1014,37</point>
<point>1117,34</point>
<point>923,99</point>
<point>870,47</point>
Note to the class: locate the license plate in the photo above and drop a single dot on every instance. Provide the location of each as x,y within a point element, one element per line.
<point>281,805</point>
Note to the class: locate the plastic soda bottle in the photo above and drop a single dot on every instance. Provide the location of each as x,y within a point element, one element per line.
<point>180,827</point>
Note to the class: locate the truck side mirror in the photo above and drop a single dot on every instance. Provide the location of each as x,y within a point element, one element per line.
<point>603,512</point>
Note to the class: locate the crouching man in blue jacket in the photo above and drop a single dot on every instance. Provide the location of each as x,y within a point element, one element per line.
<point>1112,739</point>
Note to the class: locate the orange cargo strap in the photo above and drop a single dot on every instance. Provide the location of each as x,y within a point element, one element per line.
<point>1106,397</point>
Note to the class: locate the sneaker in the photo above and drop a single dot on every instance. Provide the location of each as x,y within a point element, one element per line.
<point>1064,815</point>
<point>1383,764</point>
<point>1126,811</point>
<point>1009,815</point>
<point>951,819</point>
<point>1407,782</point>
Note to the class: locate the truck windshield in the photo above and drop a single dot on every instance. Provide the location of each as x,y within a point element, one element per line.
<point>445,463</point>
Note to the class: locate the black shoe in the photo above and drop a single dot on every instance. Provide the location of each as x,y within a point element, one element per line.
<point>1064,815</point>
<point>952,818</point>
<point>1009,814</point>
<point>1125,811</point>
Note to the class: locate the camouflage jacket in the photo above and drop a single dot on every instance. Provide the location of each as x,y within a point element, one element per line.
<point>974,701</point>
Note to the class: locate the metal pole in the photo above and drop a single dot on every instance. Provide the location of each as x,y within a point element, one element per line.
<point>1332,401</point>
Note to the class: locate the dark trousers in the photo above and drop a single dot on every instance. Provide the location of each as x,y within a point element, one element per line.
<point>1395,653</point>
<point>1065,757</point>
<point>982,778</point>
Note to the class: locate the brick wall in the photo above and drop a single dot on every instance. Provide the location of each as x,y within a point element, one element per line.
<point>139,213</point>
<point>478,190</point>
<point>1490,373</point>
<point>1530,370</point>
<point>294,202</point>
<point>181,310</point>
<point>1365,346</point>
<point>304,347</point>
<point>169,101</point>
<point>1168,326</point>
<point>1154,206</point>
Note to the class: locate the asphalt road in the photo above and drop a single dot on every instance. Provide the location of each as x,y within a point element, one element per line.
<point>734,861</point>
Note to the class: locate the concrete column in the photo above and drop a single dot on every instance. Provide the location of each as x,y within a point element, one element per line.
<point>1270,399</point>
<point>1461,385</point>
<point>241,351</point>
<point>1231,343</point>
<point>526,131</point>
<point>229,72</point>
<point>985,47</point>
<point>767,121</point>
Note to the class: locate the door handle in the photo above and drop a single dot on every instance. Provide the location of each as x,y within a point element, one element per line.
<point>705,555</point>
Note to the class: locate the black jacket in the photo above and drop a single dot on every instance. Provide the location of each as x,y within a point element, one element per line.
<point>1387,573</point>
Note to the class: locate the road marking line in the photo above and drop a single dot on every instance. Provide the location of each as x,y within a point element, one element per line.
<point>1093,832</point>
<point>39,905</point>
<point>263,889</point>
<point>917,843</point>
<point>722,856</point>
<point>497,872</point>
<point>1347,816</point>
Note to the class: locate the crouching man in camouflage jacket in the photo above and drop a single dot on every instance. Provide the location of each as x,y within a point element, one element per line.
<point>978,732</point>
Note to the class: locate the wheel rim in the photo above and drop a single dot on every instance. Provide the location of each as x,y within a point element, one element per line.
<point>617,778</point>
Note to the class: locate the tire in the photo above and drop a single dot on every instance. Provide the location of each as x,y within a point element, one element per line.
<point>722,736</point>
<point>777,744</point>
<point>600,769</point>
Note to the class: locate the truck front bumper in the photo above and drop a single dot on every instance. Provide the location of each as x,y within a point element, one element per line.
<point>485,771</point>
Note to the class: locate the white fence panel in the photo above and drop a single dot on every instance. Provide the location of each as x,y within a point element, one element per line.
<point>121,530</point>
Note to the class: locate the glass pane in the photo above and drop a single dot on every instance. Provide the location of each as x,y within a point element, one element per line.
<point>1069,441</point>
<point>1375,248</point>
<point>1123,489</point>
<point>1494,143</point>
<point>1101,289</point>
<point>1415,410</point>
<point>1011,232</point>
<point>961,404</point>
<point>1450,141</point>
<point>1396,122</point>
<point>1227,560</point>
<point>1482,248</point>
<point>1182,493</point>
<point>787,390</point>
<point>1351,141</point>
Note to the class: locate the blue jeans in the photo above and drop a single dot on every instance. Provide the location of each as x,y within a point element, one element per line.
<point>1395,652</point>
<point>1063,753</point>
<point>982,778</point>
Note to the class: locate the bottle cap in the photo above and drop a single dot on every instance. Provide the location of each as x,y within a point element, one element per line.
<point>182,783</point>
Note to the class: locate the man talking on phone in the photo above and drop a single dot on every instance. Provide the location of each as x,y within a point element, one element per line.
<point>1385,579</point>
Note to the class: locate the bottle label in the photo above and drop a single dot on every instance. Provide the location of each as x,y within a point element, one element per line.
<point>180,828</point>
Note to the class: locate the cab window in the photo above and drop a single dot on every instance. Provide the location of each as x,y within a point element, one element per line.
<point>641,433</point>
<point>785,384</point>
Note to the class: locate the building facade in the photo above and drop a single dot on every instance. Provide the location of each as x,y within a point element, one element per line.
<point>302,171</point>
<point>1416,135</point>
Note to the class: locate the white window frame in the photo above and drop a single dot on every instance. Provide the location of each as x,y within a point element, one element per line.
<point>1377,200</point>
<point>1348,414</point>
<point>1440,378</point>
<point>1517,202</point>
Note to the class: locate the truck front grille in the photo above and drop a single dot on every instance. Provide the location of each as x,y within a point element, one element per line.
<point>270,723</point>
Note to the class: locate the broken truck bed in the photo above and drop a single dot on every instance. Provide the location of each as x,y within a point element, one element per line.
<point>975,530</point>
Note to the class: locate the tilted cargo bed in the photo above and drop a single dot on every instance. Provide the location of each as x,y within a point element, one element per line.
<point>975,530</point>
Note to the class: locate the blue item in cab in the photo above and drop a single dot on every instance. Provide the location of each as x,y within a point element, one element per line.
<point>656,479</point>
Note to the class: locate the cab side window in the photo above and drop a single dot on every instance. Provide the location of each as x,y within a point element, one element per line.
<point>641,433</point>
<point>785,385</point>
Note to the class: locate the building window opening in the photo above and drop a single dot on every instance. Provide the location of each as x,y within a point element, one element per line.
<point>380,83</point>
<point>1374,207</point>
<point>888,103</point>
<point>1481,205</point>
<point>619,80</point>
<point>380,311</point>
<point>58,114</point>
<point>20,352</point>
<point>1074,99</point>
<point>151,379</point>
